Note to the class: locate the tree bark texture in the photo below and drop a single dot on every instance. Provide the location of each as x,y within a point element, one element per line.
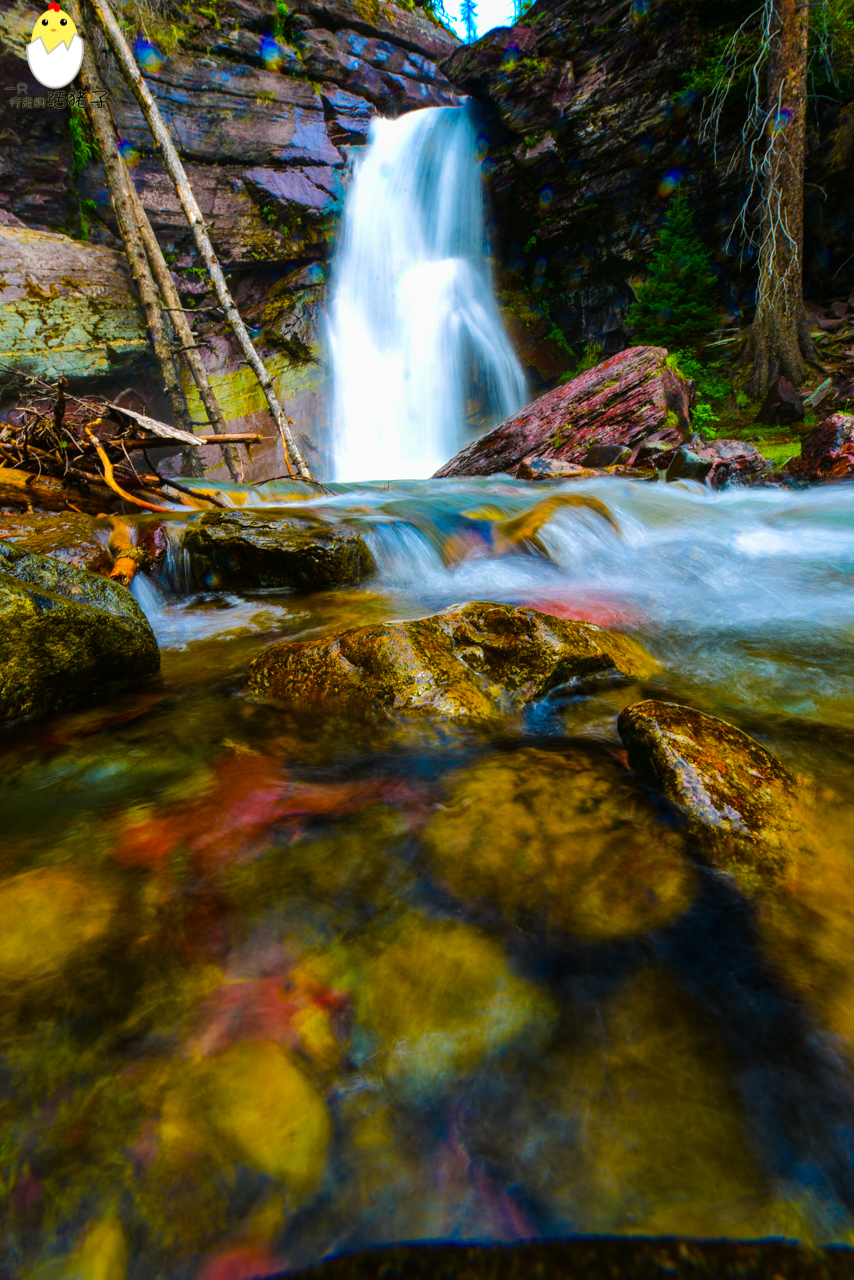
<point>779,341</point>
<point>193,213</point>
<point>117,181</point>
<point>181,328</point>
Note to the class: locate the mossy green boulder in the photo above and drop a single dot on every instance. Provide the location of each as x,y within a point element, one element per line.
<point>68,535</point>
<point>64,632</point>
<point>563,843</point>
<point>472,661</point>
<point>436,998</point>
<point>737,798</point>
<point>244,550</point>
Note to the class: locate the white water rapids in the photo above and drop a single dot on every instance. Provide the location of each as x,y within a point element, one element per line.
<point>415,336</point>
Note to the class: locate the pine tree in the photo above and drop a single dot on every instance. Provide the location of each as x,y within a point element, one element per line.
<point>676,303</point>
<point>468,13</point>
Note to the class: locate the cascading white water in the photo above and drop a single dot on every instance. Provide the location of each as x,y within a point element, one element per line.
<point>415,335</point>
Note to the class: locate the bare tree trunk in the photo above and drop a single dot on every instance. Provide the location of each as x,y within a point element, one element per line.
<point>183,332</point>
<point>140,271</point>
<point>172,160</point>
<point>779,341</point>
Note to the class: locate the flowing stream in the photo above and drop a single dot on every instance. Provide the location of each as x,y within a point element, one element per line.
<point>218,915</point>
<point>418,351</point>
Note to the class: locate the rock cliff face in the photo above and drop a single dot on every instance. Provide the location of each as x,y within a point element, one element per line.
<point>590,121</point>
<point>266,122</point>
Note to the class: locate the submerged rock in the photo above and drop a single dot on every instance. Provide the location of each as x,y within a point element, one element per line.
<point>69,536</point>
<point>51,916</point>
<point>632,1124</point>
<point>828,452</point>
<point>471,661</point>
<point>436,998</point>
<point>63,632</point>
<point>564,842</point>
<point>251,549</point>
<point>626,401</point>
<point>736,796</point>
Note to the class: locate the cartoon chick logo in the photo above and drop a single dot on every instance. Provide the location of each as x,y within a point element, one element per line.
<point>56,50</point>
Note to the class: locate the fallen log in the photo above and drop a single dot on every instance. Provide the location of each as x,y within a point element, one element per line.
<point>21,490</point>
<point>118,183</point>
<point>177,173</point>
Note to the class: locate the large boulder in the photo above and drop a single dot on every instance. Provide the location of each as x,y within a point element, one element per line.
<point>472,661</point>
<point>66,307</point>
<point>71,537</point>
<point>737,798</point>
<point>250,549</point>
<point>828,452</point>
<point>64,632</point>
<point>630,400</point>
<point>563,843</point>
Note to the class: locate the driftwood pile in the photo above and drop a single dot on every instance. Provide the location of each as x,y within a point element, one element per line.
<point>63,452</point>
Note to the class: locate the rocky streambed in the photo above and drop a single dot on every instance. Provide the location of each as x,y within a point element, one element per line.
<point>476,866</point>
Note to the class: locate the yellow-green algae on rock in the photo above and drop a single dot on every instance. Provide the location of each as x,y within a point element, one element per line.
<point>438,998</point>
<point>50,917</point>
<point>564,840</point>
<point>633,1123</point>
<point>472,661</point>
<point>64,631</point>
<point>737,797</point>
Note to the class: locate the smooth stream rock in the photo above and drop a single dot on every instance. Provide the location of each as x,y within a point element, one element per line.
<point>736,796</point>
<point>473,661</point>
<point>64,632</point>
<point>251,549</point>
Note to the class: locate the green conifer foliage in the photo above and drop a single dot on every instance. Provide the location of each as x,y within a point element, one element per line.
<point>676,304</point>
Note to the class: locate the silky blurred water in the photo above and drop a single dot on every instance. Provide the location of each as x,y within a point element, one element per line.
<point>245,1018</point>
<point>414,332</point>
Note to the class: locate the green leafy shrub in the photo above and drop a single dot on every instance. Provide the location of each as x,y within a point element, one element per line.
<point>592,356</point>
<point>675,304</point>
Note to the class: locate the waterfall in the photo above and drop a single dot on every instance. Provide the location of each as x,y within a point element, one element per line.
<point>418,351</point>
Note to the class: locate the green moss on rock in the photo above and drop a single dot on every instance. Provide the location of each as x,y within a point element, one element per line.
<point>244,549</point>
<point>736,796</point>
<point>472,661</point>
<point>64,632</point>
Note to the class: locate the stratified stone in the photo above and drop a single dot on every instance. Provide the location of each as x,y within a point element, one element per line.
<point>472,661</point>
<point>69,536</point>
<point>625,401</point>
<point>828,452</point>
<point>737,797</point>
<point>564,843</point>
<point>436,998</point>
<point>64,632</point>
<point>66,307</point>
<point>250,549</point>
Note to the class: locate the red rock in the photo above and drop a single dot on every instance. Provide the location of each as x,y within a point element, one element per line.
<point>828,452</point>
<point>628,400</point>
<point>839,308</point>
<point>604,611</point>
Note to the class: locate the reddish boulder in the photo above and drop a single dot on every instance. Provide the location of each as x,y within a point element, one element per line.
<point>828,452</point>
<point>630,399</point>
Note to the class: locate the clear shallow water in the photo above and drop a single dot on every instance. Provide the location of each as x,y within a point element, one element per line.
<point>219,916</point>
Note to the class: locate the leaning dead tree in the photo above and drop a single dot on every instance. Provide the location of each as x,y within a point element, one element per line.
<point>772,46</point>
<point>163,139</point>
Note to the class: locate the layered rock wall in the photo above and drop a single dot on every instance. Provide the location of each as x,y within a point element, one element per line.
<point>266,124</point>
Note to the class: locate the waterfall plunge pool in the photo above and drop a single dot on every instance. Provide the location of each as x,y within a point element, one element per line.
<point>246,1024</point>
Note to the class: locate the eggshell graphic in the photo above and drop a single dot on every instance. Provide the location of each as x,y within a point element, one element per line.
<point>56,50</point>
